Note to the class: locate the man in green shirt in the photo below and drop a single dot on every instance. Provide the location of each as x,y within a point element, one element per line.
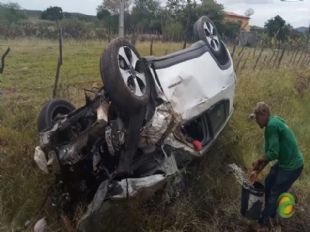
<point>280,145</point>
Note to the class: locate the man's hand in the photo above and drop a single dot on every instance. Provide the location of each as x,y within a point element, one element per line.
<point>253,176</point>
<point>259,165</point>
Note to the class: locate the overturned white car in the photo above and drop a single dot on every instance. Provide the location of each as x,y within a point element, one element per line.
<point>150,119</point>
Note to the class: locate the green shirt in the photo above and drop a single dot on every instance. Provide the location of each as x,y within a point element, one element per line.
<point>281,145</point>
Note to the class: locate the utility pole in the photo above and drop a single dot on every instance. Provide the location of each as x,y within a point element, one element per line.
<point>121,19</point>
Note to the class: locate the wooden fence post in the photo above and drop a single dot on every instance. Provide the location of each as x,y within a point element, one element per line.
<point>303,60</point>
<point>233,51</point>
<point>59,63</point>
<point>276,58</point>
<point>301,54</point>
<point>259,56</point>
<point>254,51</point>
<point>133,38</point>
<point>239,60</point>
<point>3,59</point>
<point>271,57</point>
<point>281,57</point>
<point>184,43</point>
<point>241,51</point>
<point>292,56</point>
<point>245,61</point>
<point>307,61</point>
<point>294,59</point>
<point>151,47</point>
<point>264,60</point>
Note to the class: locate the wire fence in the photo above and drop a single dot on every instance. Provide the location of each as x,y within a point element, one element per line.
<point>272,58</point>
<point>245,58</point>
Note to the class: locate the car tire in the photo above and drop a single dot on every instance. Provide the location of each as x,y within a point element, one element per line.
<point>50,111</point>
<point>205,30</point>
<point>125,76</point>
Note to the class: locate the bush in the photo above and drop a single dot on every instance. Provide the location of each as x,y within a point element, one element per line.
<point>174,30</point>
<point>52,13</point>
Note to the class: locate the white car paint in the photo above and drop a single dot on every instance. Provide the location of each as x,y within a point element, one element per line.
<point>195,85</point>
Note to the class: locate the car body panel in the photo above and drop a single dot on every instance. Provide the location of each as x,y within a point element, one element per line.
<point>195,85</point>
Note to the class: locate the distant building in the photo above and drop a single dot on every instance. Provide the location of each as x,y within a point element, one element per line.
<point>243,20</point>
<point>246,38</point>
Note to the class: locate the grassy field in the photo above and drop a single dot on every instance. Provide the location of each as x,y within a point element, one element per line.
<point>211,201</point>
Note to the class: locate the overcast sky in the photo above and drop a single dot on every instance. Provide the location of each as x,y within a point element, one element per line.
<point>295,12</point>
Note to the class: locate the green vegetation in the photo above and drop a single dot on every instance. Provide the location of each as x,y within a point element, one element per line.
<point>277,28</point>
<point>173,21</point>
<point>144,18</point>
<point>212,198</point>
<point>53,13</point>
<point>10,13</point>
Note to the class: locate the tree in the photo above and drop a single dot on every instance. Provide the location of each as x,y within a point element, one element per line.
<point>146,15</point>
<point>231,30</point>
<point>214,11</point>
<point>186,12</point>
<point>192,11</point>
<point>53,13</point>
<point>109,20</point>
<point>189,16</point>
<point>113,6</point>
<point>173,29</point>
<point>174,7</point>
<point>277,28</point>
<point>102,13</point>
<point>10,13</point>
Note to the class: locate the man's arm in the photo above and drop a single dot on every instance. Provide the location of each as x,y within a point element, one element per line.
<point>257,167</point>
<point>271,152</point>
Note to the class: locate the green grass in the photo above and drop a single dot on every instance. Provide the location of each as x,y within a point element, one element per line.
<point>211,201</point>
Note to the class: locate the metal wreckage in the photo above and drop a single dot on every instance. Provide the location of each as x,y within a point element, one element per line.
<point>150,119</point>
